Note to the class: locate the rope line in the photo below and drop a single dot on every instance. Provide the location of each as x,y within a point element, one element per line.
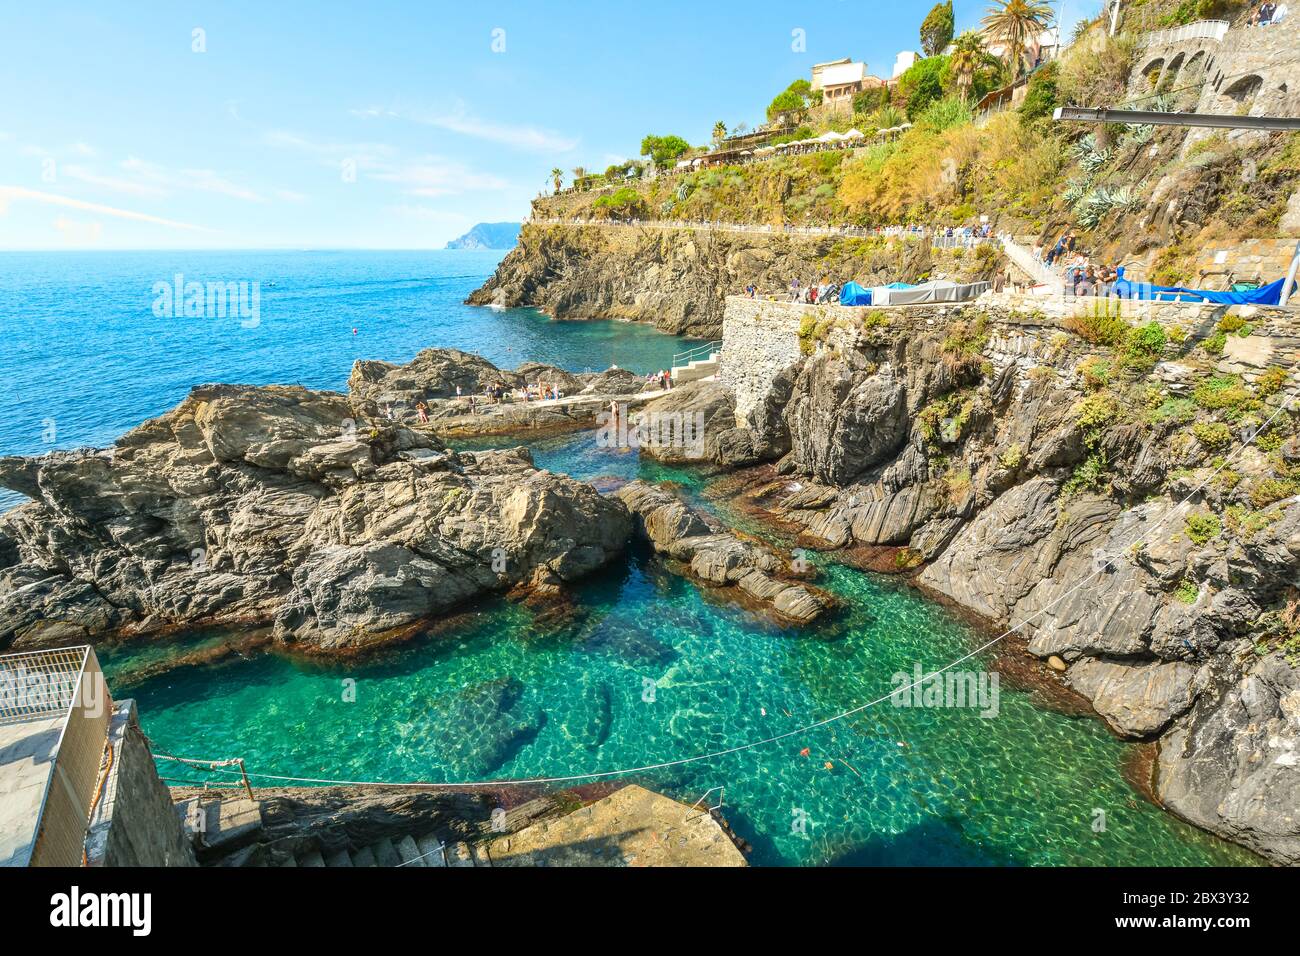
<point>775,738</point>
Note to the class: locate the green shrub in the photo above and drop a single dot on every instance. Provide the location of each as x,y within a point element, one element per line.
<point>1187,591</point>
<point>1271,380</point>
<point>1144,345</point>
<point>1212,435</point>
<point>1272,489</point>
<point>1203,527</point>
<point>1100,325</point>
<point>1221,391</point>
<point>1088,476</point>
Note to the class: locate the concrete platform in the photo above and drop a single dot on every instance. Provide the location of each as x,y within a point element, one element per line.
<point>632,827</point>
<point>27,752</point>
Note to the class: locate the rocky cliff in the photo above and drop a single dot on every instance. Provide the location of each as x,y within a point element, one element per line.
<point>1097,495</point>
<point>678,279</point>
<point>306,511</point>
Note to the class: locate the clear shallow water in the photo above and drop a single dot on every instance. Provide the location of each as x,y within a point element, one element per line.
<point>500,693</point>
<point>503,694</point>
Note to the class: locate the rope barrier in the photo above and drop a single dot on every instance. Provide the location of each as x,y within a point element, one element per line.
<point>216,766</point>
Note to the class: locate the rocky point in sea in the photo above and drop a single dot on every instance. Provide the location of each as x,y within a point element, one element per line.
<point>306,511</point>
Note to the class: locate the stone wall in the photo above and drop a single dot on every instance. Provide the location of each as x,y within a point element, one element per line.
<point>134,822</point>
<point>760,338</point>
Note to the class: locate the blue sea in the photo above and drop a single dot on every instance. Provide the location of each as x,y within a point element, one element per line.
<point>86,358</point>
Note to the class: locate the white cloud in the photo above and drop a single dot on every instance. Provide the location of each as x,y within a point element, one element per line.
<point>115,183</point>
<point>459,120</point>
<point>432,176</point>
<point>79,233</point>
<point>362,153</point>
<point>9,194</point>
<point>199,180</point>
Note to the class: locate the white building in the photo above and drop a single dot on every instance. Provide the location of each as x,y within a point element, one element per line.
<point>904,62</point>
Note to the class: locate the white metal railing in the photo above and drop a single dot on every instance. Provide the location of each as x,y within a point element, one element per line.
<point>39,683</point>
<point>1030,265</point>
<point>682,359</point>
<point>1200,30</point>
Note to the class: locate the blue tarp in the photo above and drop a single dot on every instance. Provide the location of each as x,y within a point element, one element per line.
<point>854,294</point>
<point>1270,294</point>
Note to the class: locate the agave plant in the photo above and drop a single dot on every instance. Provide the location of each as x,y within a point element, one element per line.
<point>1102,201</point>
<point>1089,154</point>
<point>1141,134</point>
<point>1075,190</point>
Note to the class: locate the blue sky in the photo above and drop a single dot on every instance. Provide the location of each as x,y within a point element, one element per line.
<point>375,124</point>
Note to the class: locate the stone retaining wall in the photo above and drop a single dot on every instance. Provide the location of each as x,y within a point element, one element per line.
<point>134,823</point>
<point>761,338</point>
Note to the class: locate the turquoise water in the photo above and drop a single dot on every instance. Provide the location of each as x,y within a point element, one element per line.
<point>499,692</point>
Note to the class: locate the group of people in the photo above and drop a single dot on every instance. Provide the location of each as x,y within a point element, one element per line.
<point>1082,277</point>
<point>1062,248</point>
<point>1268,13</point>
<point>812,293</point>
<point>662,379</point>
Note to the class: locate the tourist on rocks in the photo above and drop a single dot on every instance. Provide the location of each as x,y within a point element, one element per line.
<point>422,410</point>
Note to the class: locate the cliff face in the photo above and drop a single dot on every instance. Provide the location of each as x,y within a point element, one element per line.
<point>1099,498</point>
<point>301,510</point>
<point>679,279</point>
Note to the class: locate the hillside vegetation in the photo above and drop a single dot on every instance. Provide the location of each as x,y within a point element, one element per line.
<point>1028,173</point>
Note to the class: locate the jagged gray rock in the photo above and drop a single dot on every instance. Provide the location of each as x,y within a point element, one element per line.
<point>718,557</point>
<point>284,506</point>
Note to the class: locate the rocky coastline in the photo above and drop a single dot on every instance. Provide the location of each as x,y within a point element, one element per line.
<point>679,279</point>
<point>953,448</point>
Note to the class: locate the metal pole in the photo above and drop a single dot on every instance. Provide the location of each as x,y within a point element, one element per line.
<point>1088,114</point>
<point>1289,284</point>
<point>244,773</point>
<point>1114,16</point>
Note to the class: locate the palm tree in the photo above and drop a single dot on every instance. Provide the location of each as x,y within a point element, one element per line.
<point>557,177</point>
<point>719,131</point>
<point>968,55</point>
<point>579,173</point>
<point>1014,24</point>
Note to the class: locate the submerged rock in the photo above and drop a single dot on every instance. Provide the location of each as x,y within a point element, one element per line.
<point>718,557</point>
<point>306,509</point>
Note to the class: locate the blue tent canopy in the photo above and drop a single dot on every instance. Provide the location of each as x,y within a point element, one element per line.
<point>854,294</point>
<point>1270,294</point>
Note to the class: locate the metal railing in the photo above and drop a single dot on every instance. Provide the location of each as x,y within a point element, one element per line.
<point>707,350</point>
<point>1200,30</point>
<point>39,683</point>
<point>39,686</point>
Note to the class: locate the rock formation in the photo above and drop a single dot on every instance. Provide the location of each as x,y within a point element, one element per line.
<point>719,557</point>
<point>303,510</point>
<point>1082,495</point>
<point>678,279</point>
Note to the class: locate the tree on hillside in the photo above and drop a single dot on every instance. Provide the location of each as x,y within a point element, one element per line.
<point>557,177</point>
<point>1014,25</point>
<point>937,28</point>
<point>922,84</point>
<point>967,57</point>
<point>719,131</point>
<point>794,101</point>
<point>579,174</point>
<point>664,150</point>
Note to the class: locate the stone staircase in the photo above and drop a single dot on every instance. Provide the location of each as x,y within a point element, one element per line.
<point>409,851</point>
<point>697,364</point>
